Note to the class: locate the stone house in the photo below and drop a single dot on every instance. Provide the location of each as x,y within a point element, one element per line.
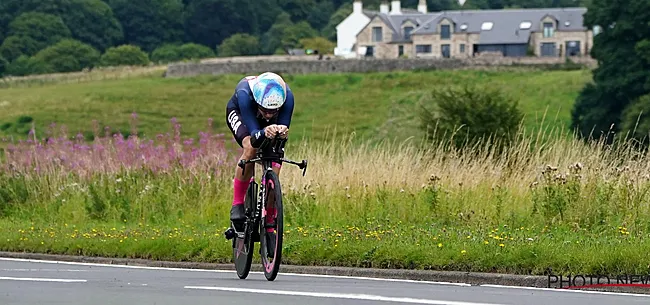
<point>468,33</point>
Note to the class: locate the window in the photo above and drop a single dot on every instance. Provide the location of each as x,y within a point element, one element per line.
<point>462,48</point>
<point>400,51</point>
<point>525,25</point>
<point>377,34</point>
<point>407,32</point>
<point>486,26</point>
<point>444,31</point>
<point>423,48</point>
<point>548,29</point>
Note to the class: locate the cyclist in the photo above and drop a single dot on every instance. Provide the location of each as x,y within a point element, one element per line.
<point>260,108</point>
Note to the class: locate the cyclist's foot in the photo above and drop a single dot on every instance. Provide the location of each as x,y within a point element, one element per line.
<point>237,213</point>
<point>270,244</point>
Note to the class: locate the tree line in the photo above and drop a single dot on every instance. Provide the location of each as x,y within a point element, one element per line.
<point>44,36</point>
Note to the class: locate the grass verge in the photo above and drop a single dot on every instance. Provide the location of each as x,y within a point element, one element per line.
<point>561,204</point>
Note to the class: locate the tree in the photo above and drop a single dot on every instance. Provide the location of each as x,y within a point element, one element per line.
<point>321,44</point>
<point>240,44</point>
<point>149,23</point>
<point>621,74</point>
<point>329,31</point>
<point>293,34</point>
<point>272,39</point>
<point>69,55</point>
<point>90,21</point>
<point>44,29</point>
<point>209,22</point>
<point>15,46</point>
<point>3,65</point>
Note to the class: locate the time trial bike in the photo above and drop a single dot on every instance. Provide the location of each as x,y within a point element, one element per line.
<point>267,196</point>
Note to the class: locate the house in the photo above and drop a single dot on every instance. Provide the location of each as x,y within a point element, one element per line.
<point>349,28</point>
<point>468,33</point>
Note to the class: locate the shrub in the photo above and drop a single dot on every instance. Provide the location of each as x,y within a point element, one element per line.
<point>635,120</point>
<point>174,52</point>
<point>471,115</point>
<point>124,55</point>
<point>166,53</point>
<point>240,44</point>
<point>195,51</point>
<point>69,55</point>
<point>25,65</point>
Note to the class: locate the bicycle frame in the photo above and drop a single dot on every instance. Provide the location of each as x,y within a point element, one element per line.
<point>265,156</point>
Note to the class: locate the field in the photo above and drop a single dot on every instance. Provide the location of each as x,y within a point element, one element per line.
<point>371,105</point>
<point>392,203</point>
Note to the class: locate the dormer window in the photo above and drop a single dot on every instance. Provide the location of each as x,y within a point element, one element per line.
<point>525,25</point>
<point>486,26</point>
<point>407,32</point>
<point>548,29</point>
<point>445,32</point>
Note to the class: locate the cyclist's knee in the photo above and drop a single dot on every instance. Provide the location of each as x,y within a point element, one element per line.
<point>249,153</point>
<point>248,150</point>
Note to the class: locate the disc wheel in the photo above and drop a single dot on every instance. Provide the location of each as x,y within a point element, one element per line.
<point>271,263</point>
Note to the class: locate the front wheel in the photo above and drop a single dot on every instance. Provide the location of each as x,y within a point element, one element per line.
<point>271,227</point>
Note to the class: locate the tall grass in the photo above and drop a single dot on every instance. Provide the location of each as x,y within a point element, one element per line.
<point>543,177</point>
<point>389,197</point>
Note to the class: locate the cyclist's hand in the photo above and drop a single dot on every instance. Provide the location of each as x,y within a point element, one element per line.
<point>270,131</point>
<point>283,131</point>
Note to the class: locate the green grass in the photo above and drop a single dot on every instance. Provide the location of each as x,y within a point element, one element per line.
<point>376,104</point>
<point>568,206</point>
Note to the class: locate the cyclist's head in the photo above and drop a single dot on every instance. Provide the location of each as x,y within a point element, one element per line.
<point>270,92</point>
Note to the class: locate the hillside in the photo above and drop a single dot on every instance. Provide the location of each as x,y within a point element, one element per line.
<point>370,104</point>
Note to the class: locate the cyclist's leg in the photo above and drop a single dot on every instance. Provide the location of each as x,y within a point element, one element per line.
<point>242,177</point>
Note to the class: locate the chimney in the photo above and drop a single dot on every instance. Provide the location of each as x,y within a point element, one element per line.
<point>357,7</point>
<point>422,6</point>
<point>383,7</point>
<point>395,7</point>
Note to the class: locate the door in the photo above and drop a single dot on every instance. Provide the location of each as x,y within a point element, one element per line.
<point>572,48</point>
<point>445,50</point>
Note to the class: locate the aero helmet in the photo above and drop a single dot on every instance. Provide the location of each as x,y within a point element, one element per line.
<point>269,90</point>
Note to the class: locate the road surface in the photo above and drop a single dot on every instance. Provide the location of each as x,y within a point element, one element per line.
<point>31,282</point>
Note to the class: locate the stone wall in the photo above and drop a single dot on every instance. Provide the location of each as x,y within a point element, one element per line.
<point>311,64</point>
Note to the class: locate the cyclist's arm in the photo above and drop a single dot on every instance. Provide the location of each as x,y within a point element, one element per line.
<point>248,117</point>
<point>284,117</point>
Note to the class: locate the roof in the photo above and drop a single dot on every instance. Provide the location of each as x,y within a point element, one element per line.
<point>506,23</point>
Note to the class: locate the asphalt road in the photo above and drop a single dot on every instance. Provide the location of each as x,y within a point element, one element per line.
<point>27,282</point>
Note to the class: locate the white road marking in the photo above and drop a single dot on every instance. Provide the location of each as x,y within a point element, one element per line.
<point>227,271</point>
<point>338,295</point>
<point>41,279</point>
<point>47,270</point>
<point>569,290</point>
